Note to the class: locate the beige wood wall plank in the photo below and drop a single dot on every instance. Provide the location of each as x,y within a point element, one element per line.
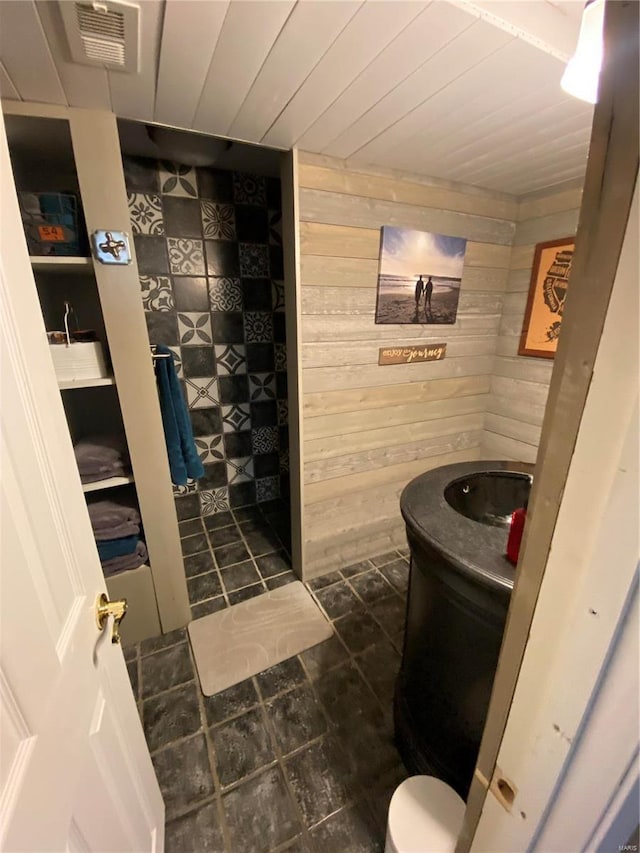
<point>501,447</point>
<point>342,327</point>
<point>519,404</point>
<point>551,227</point>
<point>511,428</point>
<point>522,257</point>
<point>518,280</point>
<point>387,396</point>
<point>387,437</point>
<point>364,375</point>
<point>517,409</point>
<point>529,369</point>
<point>317,238</point>
<point>487,255</point>
<point>325,555</point>
<point>342,209</point>
<point>315,492</point>
<point>368,428</point>
<point>536,205</point>
<point>362,300</point>
<point>327,271</point>
<point>393,454</point>
<point>325,161</point>
<point>406,192</point>
<point>364,420</point>
<point>327,354</point>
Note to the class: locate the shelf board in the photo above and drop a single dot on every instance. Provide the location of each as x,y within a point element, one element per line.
<point>51,263</point>
<point>67,384</point>
<point>110,483</point>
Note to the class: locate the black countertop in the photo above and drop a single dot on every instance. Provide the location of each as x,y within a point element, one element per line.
<point>469,546</point>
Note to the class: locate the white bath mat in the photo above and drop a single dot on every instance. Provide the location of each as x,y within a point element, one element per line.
<point>241,641</point>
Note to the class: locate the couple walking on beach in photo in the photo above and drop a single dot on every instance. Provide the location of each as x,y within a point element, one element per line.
<point>427,289</point>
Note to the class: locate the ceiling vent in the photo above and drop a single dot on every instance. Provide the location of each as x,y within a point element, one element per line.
<point>105,33</point>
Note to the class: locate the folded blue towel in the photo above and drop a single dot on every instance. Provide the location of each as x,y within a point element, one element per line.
<point>110,548</point>
<point>184,462</point>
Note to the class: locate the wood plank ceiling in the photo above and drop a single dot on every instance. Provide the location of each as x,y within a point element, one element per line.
<point>463,91</point>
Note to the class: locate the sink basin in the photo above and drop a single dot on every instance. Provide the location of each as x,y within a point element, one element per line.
<point>489,497</point>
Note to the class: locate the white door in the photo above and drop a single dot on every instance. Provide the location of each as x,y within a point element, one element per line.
<point>75,770</point>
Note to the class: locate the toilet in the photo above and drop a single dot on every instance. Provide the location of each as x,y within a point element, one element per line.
<point>425,816</point>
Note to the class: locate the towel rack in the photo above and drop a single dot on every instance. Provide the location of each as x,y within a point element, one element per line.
<point>155,355</point>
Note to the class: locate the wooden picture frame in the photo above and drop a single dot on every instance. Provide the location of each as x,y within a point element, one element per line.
<point>547,293</point>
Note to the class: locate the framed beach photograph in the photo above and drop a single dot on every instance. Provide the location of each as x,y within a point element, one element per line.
<point>547,294</point>
<point>419,276</point>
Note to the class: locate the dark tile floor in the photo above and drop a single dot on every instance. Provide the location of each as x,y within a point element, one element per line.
<point>232,556</point>
<point>299,758</point>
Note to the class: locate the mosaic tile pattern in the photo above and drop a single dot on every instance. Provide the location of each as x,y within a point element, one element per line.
<point>209,250</point>
<point>300,757</point>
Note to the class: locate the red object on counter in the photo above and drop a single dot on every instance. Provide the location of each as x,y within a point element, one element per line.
<point>515,535</point>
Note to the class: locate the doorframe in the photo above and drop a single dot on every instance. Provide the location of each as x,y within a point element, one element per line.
<point>609,185</point>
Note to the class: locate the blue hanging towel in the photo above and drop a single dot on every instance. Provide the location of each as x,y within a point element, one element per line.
<point>184,462</point>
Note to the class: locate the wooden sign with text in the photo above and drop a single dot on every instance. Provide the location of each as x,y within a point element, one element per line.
<point>408,355</point>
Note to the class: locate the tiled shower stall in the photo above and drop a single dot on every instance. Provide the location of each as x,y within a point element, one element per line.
<point>209,250</point>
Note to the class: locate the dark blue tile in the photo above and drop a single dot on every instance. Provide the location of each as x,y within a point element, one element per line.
<point>240,575</point>
<point>297,718</point>
<point>151,254</point>
<point>206,421</point>
<point>228,327</point>
<point>162,327</point>
<point>256,294</point>
<point>210,605</point>
<point>238,444</point>
<point>320,779</point>
<point>140,174</point>
<point>264,413</point>
<point>260,358</point>
<point>168,668</point>
<point>198,361</point>
<point>231,702</point>
<point>246,592</point>
<point>190,292</point>
<point>222,258</point>
<point>187,507</point>
<point>281,677</point>
<point>242,494</point>
<point>204,586</point>
<point>233,389</point>
<point>242,745</point>
<point>171,716</point>
<point>196,832</point>
<point>215,184</point>
<point>259,813</point>
<point>184,774</point>
<point>252,224</point>
<point>181,217</point>
<point>228,555</point>
<point>198,564</point>
<point>215,476</point>
<point>266,465</point>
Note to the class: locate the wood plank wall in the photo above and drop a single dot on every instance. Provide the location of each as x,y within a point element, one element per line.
<point>368,430</point>
<point>519,385</point>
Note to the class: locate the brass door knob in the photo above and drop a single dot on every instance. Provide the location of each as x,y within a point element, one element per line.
<point>106,608</point>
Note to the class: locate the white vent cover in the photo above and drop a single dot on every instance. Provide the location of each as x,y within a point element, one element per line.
<point>104,33</point>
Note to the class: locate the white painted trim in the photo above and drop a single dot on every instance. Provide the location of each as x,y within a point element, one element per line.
<point>589,574</point>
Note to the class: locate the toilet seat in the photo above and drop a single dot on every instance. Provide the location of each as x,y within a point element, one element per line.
<point>425,816</point>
